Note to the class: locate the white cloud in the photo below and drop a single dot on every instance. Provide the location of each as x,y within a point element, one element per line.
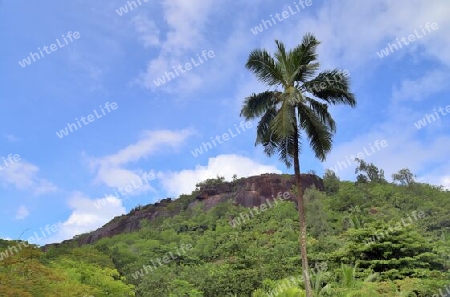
<point>24,176</point>
<point>404,150</point>
<point>43,186</point>
<point>445,181</point>
<point>111,171</point>
<point>186,21</point>
<point>22,213</point>
<point>416,90</point>
<point>439,177</point>
<point>147,30</point>
<point>183,182</point>
<point>150,142</point>
<point>336,25</point>
<point>86,217</point>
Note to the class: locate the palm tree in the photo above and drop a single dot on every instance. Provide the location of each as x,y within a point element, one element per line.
<point>291,107</point>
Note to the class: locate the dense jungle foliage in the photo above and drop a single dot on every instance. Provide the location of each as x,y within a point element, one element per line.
<point>366,238</point>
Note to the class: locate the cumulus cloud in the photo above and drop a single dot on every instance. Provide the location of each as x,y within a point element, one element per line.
<point>24,176</point>
<point>86,216</point>
<point>111,170</point>
<point>184,181</point>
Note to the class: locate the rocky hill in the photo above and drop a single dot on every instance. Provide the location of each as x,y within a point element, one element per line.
<point>248,192</point>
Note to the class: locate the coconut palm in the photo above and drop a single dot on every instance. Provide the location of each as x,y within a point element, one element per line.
<point>294,106</point>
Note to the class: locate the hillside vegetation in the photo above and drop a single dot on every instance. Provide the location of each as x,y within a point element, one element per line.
<point>369,238</point>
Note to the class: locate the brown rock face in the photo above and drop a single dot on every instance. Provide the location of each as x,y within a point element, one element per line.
<point>247,192</point>
<point>254,191</point>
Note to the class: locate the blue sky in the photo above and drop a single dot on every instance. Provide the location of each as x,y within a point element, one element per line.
<point>73,181</point>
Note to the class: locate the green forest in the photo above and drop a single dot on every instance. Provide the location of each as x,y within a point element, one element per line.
<point>365,238</point>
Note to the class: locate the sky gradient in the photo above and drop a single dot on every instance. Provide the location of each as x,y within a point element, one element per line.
<point>114,101</point>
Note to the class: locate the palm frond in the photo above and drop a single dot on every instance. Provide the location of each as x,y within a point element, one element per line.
<point>274,143</point>
<point>263,133</point>
<point>332,86</point>
<point>264,67</point>
<point>283,147</point>
<point>348,274</point>
<point>319,135</point>
<point>321,110</point>
<point>257,104</point>
<point>280,55</point>
<point>373,277</point>
<point>285,121</point>
<point>303,57</point>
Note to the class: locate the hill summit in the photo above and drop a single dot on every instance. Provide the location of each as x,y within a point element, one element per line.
<point>248,192</point>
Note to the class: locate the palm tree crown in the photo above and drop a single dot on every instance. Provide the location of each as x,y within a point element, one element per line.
<point>284,113</point>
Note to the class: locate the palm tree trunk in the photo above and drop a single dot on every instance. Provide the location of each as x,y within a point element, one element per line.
<point>302,220</point>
